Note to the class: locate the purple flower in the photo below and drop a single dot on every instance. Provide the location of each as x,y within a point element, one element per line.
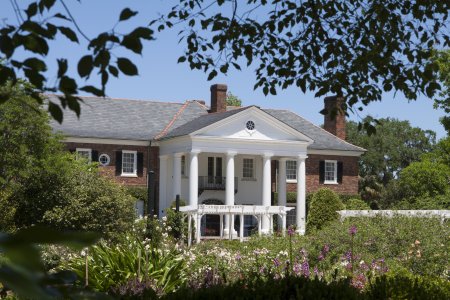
<point>348,255</point>
<point>291,231</point>
<point>316,271</point>
<point>352,230</point>
<point>238,256</point>
<point>326,249</point>
<point>296,268</point>
<point>303,253</point>
<point>321,256</point>
<point>305,269</point>
<point>359,281</point>
<point>276,262</point>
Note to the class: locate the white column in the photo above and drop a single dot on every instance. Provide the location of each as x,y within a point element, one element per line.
<point>266,191</point>
<point>193,179</point>
<point>301,195</point>
<point>229,190</point>
<point>281,186</point>
<point>176,173</point>
<point>162,183</point>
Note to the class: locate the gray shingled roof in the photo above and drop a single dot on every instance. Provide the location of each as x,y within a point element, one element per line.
<point>125,119</point>
<point>201,122</point>
<point>149,120</point>
<point>323,140</point>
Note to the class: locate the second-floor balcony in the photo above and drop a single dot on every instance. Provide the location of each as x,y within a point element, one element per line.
<point>217,183</point>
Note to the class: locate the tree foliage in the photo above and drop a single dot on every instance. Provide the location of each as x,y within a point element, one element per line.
<point>233,100</point>
<point>43,21</point>
<point>396,145</point>
<point>43,184</point>
<point>443,100</point>
<point>356,48</point>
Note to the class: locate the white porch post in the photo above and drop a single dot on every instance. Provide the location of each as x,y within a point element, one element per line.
<point>281,186</point>
<point>176,173</point>
<point>229,190</point>
<point>162,182</point>
<point>266,191</point>
<point>193,179</point>
<point>301,195</point>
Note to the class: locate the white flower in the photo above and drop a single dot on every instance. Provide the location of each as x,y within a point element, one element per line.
<point>164,218</point>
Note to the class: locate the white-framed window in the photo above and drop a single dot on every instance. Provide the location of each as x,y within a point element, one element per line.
<point>291,170</point>
<point>330,176</point>
<point>84,153</point>
<point>183,165</point>
<point>129,163</point>
<point>248,168</point>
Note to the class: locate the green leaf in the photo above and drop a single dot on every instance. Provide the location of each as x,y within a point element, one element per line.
<point>126,66</point>
<point>93,90</point>
<point>35,63</point>
<point>113,70</point>
<point>126,14</point>
<point>69,33</point>
<point>181,59</point>
<point>132,43</point>
<point>62,67</point>
<point>68,85</point>
<point>55,112</point>
<point>212,75</point>
<point>34,77</point>
<point>85,66</point>
<point>31,10</point>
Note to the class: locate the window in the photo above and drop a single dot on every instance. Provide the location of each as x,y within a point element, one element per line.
<point>183,165</point>
<point>104,159</point>
<point>129,159</point>
<point>291,170</point>
<point>247,170</point>
<point>83,153</point>
<point>330,171</point>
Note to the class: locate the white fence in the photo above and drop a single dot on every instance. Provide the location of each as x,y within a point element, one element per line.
<point>442,214</point>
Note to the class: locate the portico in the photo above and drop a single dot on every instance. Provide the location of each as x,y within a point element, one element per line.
<point>243,144</point>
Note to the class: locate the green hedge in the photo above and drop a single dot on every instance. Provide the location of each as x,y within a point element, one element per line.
<point>323,209</point>
<point>385,287</point>
<point>356,204</point>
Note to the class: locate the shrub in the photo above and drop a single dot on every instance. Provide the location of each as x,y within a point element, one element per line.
<point>113,265</point>
<point>323,209</point>
<point>69,194</point>
<point>139,193</point>
<point>286,288</point>
<point>356,204</point>
<point>176,222</point>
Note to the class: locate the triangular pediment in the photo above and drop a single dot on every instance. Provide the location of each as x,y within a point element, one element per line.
<point>252,123</point>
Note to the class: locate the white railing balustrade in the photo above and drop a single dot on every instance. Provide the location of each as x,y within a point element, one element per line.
<point>442,214</point>
<point>197,212</point>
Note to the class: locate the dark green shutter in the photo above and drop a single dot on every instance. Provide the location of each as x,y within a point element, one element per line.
<point>340,171</point>
<point>118,162</point>
<point>140,164</point>
<point>94,156</point>
<point>321,171</point>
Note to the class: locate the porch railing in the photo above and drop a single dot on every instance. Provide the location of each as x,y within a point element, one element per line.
<point>217,183</point>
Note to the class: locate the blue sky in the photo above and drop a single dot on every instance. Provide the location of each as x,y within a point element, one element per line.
<point>162,78</point>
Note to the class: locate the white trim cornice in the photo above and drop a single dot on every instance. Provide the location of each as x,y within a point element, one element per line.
<point>335,152</point>
<point>106,141</point>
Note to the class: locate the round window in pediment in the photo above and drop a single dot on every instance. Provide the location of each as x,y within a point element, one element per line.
<point>250,125</point>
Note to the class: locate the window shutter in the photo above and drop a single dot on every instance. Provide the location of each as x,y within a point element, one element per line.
<point>340,171</point>
<point>118,163</point>
<point>321,171</point>
<point>94,155</point>
<point>140,164</point>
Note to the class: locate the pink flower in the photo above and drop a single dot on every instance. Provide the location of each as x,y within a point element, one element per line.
<point>352,230</point>
<point>291,231</point>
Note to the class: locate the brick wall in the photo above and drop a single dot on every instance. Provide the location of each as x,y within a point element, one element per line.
<point>110,170</point>
<point>349,185</point>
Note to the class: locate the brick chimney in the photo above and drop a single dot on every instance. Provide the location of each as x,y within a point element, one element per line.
<point>218,98</point>
<point>334,120</point>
